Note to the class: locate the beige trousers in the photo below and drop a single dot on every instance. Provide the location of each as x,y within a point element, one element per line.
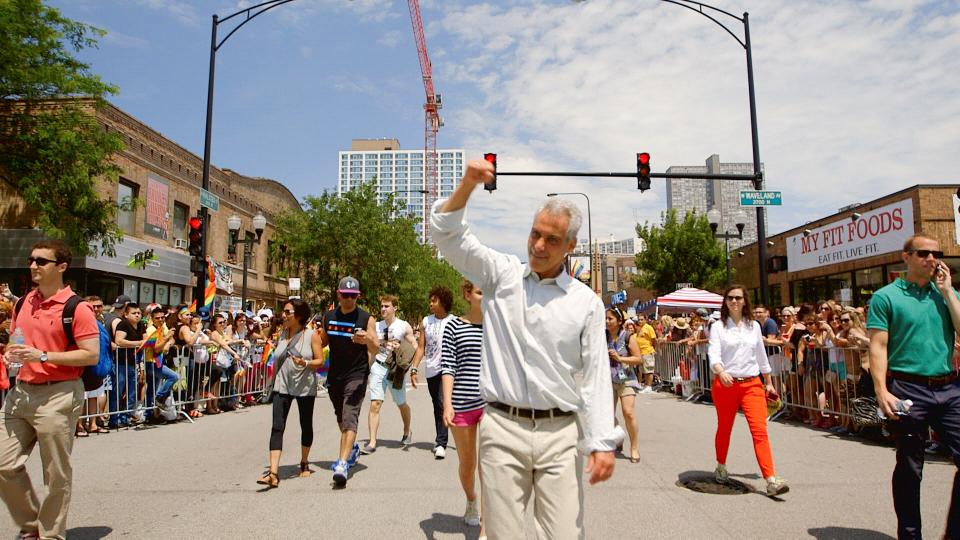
<point>45,414</point>
<point>521,457</point>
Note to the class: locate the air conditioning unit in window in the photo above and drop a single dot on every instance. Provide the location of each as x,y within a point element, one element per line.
<point>180,243</point>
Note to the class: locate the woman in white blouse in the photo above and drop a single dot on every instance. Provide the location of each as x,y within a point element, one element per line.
<point>738,359</point>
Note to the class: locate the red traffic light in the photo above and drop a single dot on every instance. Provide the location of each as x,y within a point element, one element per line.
<point>491,158</point>
<point>643,158</point>
<point>195,223</point>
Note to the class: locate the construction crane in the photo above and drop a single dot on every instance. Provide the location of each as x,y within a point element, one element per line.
<point>432,121</point>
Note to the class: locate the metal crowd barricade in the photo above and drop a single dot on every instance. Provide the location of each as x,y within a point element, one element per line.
<point>680,365</point>
<point>820,384</point>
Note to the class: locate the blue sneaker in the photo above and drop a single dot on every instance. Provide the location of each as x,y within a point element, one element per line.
<point>340,471</point>
<point>354,455</point>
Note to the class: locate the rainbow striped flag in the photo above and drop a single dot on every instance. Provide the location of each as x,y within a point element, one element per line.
<point>210,292</point>
<point>267,352</point>
<point>149,345</point>
<point>324,369</point>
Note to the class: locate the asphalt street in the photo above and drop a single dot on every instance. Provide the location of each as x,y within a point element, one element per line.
<point>198,481</point>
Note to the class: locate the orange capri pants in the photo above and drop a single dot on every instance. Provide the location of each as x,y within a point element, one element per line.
<point>751,397</point>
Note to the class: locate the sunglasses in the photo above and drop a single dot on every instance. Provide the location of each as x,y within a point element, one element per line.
<point>734,298</point>
<point>40,261</point>
<point>288,312</point>
<point>349,294</point>
<point>97,306</point>
<point>924,253</point>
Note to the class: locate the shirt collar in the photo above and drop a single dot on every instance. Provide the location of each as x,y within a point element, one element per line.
<point>61,297</point>
<point>909,285</point>
<point>563,280</point>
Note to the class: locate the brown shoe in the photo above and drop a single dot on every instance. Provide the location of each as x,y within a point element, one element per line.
<point>305,469</point>
<point>270,479</point>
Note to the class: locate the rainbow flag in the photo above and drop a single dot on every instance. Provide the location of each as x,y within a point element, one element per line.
<point>210,292</point>
<point>149,345</point>
<point>324,369</point>
<point>267,352</point>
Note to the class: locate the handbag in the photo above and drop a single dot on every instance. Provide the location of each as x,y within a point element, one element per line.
<point>865,412</point>
<point>278,360</point>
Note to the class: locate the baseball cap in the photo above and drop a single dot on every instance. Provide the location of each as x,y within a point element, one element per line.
<point>349,284</point>
<point>121,300</point>
<point>702,312</point>
<point>265,311</point>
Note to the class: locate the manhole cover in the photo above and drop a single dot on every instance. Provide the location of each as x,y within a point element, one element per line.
<point>705,483</point>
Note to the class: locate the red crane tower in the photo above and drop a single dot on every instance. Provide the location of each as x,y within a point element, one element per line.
<point>432,121</point>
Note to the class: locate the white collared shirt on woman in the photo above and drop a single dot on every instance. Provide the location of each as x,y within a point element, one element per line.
<point>738,348</point>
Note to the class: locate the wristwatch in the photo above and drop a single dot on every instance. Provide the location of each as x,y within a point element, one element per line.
<point>414,370</point>
<point>43,357</point>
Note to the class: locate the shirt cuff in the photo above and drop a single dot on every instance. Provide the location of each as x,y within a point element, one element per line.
<point>603,444</point>
<point>446,221</point>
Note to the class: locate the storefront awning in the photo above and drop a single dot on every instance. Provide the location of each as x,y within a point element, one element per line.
<point>690,298</point>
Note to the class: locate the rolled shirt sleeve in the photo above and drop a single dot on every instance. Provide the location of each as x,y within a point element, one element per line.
<point>601,434</point>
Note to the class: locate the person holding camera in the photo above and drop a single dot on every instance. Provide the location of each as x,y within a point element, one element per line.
<point>913,323</point>
<point>738,359</point>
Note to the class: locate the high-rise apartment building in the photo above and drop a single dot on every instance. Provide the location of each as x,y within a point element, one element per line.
<point>688,195</point>
<point>628,246</point>
<point>398,171</point>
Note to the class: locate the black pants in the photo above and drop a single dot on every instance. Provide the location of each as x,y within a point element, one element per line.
<point>281,408</point>
<point>938,408</point>
<point>435,385</point>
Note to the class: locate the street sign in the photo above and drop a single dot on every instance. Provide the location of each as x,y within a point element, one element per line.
<point>760,198</point>
<point>209,200</point>
<point>293,283</point>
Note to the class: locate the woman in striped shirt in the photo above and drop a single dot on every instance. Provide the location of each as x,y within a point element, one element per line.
<point>462,404</point>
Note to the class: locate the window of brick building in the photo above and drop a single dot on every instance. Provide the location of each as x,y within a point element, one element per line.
<point>126,215</point>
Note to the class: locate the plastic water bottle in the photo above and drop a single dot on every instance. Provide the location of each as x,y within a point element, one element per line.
<point>17,339</point>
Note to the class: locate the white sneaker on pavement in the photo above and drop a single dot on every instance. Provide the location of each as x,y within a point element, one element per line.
<point>407,439</point>
<point>720,474</point>
<point>439,452</point>
<point>471,516</point>
<point>776,486</point>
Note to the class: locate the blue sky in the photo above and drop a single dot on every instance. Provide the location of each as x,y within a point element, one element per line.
<point>855,99</point>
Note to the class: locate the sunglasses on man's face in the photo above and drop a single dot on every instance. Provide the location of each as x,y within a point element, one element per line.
<point>924,253</point>
<point>40,261</point>
<point>349,295</point>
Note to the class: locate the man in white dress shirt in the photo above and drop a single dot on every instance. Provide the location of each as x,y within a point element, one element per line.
<point>541,328</point>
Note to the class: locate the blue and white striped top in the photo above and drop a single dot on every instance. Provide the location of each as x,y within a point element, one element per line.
<point>460,357</point>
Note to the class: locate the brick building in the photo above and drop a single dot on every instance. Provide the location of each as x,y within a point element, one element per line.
<point>166,178</point>
<point>848,255</point>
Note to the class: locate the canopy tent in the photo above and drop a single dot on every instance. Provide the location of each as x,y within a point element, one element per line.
<point>690,298</point>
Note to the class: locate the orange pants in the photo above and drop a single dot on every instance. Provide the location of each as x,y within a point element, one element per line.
<point>751,397</point>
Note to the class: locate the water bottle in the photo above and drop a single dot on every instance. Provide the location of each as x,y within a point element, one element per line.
<point>903,407</point>
<point>17,339</point>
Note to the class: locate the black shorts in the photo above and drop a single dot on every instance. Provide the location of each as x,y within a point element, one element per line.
<point>347,397</point>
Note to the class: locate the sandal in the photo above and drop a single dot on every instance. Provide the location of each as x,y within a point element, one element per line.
<point>305,469</point>
<point>98,429</point>
<point>195,414</point>
<point>270,479</point>
<point>81,433</point>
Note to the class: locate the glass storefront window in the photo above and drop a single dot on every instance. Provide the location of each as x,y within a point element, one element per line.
<point>162,295</point>
<point>868,281</point>
<point>146,293</point>
<point>817,289</point>
<point>176,295</point>
<point>131,289</point>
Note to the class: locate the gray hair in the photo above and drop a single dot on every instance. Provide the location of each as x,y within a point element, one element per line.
<point>558,206</point>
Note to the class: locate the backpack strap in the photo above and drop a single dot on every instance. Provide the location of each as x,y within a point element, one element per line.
<point>69,310</point>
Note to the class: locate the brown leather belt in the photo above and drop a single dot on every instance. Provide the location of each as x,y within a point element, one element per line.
<point>930,382</point>
<point>745,379</point>
<point>520,412</point>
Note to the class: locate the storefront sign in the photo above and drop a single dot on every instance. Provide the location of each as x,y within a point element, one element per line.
<point>876,232</point>
<point>956,216</point>
<point>158,208</point>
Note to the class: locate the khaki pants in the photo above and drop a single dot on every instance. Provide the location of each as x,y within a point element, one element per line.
<point>521,457</point>
<point>46,414</point>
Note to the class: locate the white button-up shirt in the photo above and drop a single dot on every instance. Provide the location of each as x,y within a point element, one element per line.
<point>738,348</point>
<point>537,334</point>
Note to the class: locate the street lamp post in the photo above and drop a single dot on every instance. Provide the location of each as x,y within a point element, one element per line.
<point>589,230</point>
<point>233,223</point>
<point>715,217</point>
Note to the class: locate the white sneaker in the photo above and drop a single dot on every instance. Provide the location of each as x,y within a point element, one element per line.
<point>472,514</point>
<point>776,486</point>
<point>407,439</point>
<point>720,474</point>
<point>648,390</point>
<point>439,452</point>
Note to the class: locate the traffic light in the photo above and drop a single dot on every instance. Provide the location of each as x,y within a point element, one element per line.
<point>196,236</point>
<point>643,171</point>
<point>492,158</point>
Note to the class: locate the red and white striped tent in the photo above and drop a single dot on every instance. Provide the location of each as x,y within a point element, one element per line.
<point>690,298</point>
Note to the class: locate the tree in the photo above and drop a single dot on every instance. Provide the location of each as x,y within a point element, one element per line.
<point>52,150</point>
<point>679,252</point>
<point>354,234</point>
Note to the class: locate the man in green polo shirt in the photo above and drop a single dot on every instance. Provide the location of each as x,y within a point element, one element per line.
<point>912,325</point>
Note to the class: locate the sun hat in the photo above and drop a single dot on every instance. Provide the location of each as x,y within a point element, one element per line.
<point>681,323</point>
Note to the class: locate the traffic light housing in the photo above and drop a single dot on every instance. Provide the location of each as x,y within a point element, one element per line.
<point>196,236</point>
<point>492,158</point>
<point>643,171</point>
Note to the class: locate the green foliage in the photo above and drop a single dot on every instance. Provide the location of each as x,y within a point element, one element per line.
<point>354,234</point>
<point>52,150</point>
<point>680,252</point>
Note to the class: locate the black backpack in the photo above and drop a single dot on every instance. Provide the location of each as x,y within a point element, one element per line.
<point>91,380</point>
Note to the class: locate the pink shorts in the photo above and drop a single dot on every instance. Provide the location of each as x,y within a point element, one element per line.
<point>467,419</point>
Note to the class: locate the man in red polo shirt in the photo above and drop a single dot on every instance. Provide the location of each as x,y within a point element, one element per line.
<point>45,405</point>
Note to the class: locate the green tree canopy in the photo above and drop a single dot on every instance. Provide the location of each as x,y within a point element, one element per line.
<point>680,252</point>
<point>52,150</point>
<point>354,234</point>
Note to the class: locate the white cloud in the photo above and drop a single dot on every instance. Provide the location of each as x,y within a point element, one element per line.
<point>180,10</point>
<point>854,100</point>
<point>393,38</point>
